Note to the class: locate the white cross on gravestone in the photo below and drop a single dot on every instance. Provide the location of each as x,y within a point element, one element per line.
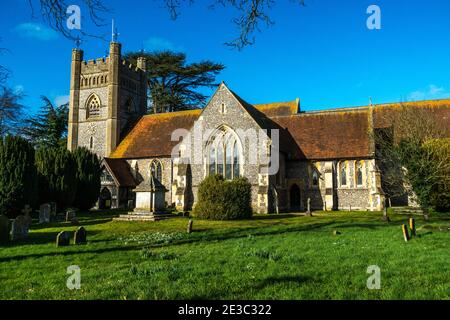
<point>27,210</point>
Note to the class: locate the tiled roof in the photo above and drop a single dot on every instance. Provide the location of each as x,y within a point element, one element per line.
<point>151,136</point>
<point>329,134</point>
<point>120,169</point>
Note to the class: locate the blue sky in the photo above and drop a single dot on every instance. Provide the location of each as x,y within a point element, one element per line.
<point>322,53</point>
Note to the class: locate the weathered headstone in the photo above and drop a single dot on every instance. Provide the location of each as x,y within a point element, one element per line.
<point>385,215</point>
<point>44,213</point>
<point>425,213</point>
<point>63,239</point>
<point>130,204</point>
<point>308,207</point>
<point>26,213</point>
<point>80,236</point>
<point>189,227</point>
<point>19,228</point>
<point>70,214</point>
<point>4,229</point>
<point>405,232</point>
<point>336,232</point>
<point>52,211</point>
<point>412,226</point>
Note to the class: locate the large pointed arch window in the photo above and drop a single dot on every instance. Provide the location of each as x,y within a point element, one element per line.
<point>224,154</point>
<point>359,173</point>
<point>93,106</point>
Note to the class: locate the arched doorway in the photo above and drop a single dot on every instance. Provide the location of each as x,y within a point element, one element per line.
<point>105,199</point>
<point>294,198</point>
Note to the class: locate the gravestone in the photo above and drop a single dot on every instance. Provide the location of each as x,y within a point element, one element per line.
<point>63,239</point>
<point>336,232</point>
<point>26,213</point>
<point>70,214</point>
<point>52,211</point>
<point>80,236</point>
<point>385,215</point>
<point>189,227</point>
<point>308,207</point>
<point>412,226</point>
<point>405,232</point>
<point>4,229</point>
<point>44,213</point>
<point>19,228</point>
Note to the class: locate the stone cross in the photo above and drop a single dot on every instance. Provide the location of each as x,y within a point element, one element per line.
<point>308,207</point>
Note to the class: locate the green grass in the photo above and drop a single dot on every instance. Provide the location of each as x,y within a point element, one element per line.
<point>268,257</point>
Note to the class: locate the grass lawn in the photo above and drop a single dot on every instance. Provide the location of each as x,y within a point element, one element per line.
<point>268,257</point>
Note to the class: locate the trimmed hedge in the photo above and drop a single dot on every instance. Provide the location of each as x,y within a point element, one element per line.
<point>220,199</point>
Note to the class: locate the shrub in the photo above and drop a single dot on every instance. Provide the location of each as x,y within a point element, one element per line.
<point>88,178</point>
<point>56,176</point>
<point>223,200</point>
<point>18,177</point>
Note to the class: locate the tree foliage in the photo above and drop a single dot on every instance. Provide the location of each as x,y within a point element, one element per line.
<point>410,166</point>
<point>57,176</point>
<point>220,199</point>
<point>18,176</point>
<point>49,127</point>
<point>88,178</point>
<point>11,109</point>
<point>173,83</point>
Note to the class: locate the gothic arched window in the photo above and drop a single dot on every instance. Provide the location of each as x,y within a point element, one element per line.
<point>359,173</point>
<point>343,173</point>
<point>93,106</point>
<point>156,170</point>
<point>315,178</point>
<point>224,155</point>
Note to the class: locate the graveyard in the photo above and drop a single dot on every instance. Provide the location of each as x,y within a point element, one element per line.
<point>284,256</point>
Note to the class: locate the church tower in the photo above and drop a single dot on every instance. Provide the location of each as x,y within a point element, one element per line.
<point>107,96</point>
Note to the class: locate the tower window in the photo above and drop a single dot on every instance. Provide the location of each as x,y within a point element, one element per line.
<point>91,143</point>
<point>93,106</point>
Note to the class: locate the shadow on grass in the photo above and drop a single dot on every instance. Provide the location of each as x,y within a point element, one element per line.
<point>62,252</point>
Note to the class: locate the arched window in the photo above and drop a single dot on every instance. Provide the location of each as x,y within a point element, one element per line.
<point>315,178</point>
<point>156,170</point>
<point>359,173</point>
<point>224,154</point>
<point>91,143</point>
<point>343,173</point>
<point>93,106</point>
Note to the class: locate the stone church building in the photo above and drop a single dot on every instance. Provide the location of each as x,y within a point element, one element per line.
<point>327,156</point>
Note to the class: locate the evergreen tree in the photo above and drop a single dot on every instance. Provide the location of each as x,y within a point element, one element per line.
<point>57,171</point>
<point>18,177</point>
<point>88,178</point>
<point>49,127</point>
<point>173,84</point>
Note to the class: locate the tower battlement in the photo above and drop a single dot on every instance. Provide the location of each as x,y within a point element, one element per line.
<point>106,95</point>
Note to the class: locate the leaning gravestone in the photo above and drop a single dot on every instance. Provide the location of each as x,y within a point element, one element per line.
<point>63,239</point>
<point>26,212</point>
<point>70,214</point>
<point>80,236</point>
<point>19,229</point>
<point>4,229</point>
<point>189,227</point>
<point>44,213</point>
